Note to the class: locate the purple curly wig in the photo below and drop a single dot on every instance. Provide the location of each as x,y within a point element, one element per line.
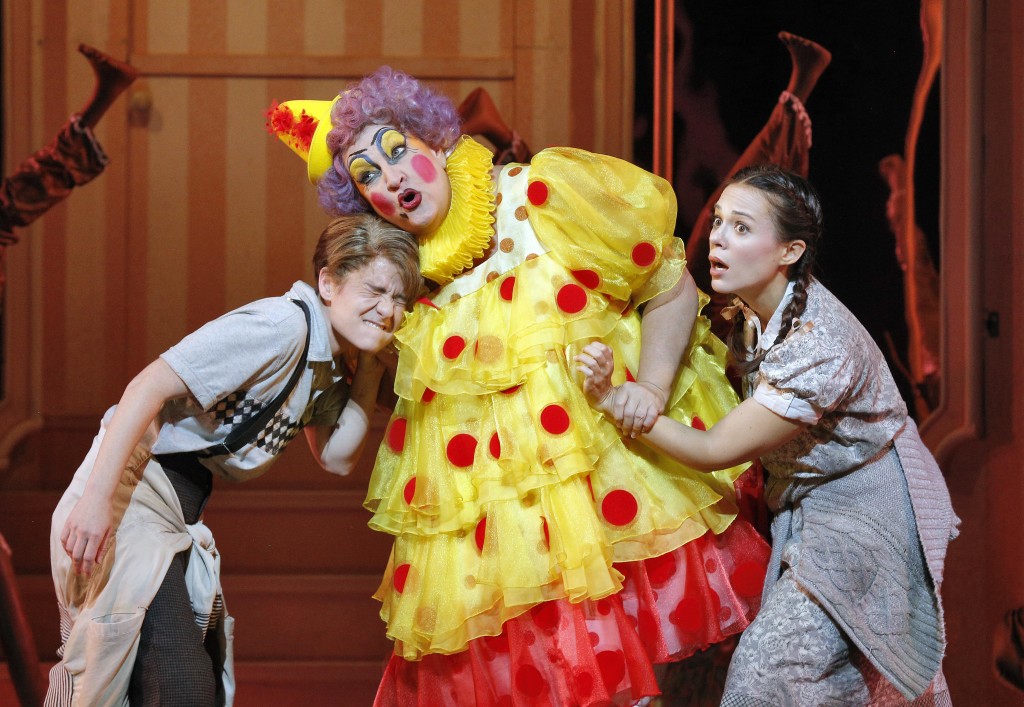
<point>385,97</point>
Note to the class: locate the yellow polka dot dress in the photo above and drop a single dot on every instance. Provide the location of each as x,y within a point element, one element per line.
<point>538,557</point>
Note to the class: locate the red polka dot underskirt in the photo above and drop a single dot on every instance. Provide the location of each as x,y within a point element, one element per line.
<point>598,652</point>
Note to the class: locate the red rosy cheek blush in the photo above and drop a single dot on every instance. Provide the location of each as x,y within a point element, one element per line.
<point>424,167</point>
<point>381,205</point>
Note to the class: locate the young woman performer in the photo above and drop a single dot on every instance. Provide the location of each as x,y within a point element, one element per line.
<point>851,612</point>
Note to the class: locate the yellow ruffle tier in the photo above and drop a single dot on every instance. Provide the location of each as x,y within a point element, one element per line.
<point>503,487</point>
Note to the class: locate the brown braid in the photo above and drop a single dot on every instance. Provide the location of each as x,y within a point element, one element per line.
<point>796,212</point>
<point>801,279</point>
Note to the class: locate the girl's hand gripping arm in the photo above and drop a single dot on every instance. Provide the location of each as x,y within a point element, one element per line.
<point>747,432</point>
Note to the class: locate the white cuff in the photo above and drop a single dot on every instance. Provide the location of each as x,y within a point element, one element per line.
<point>785,404</point>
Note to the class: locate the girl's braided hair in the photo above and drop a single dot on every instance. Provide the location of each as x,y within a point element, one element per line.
<point>796,212</point>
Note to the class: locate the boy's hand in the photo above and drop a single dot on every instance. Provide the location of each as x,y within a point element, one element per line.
<point>596,364</point>
<point>388,358</point>
<point>85,533</point>
<point>371,364</point>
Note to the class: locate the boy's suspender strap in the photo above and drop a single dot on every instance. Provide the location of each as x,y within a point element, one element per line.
<point>246,432</point>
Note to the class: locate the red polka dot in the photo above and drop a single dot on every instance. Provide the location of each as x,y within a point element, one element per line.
<point>724,614</point>
<point>400,576</point>
<point>495,446</point>
<point>660,569</point>
<point>697,423</point>
<point>498,644</point>
<point>529,638</point>
<point>619,507</point>
<point>604,607</point>
<point>546,616</point>
<point>537,193</point>
<point>410,490</point>
<point>507,287</point>
<point>629,376</point>
<point>687,615</point>
<point>453,346</point>
<point>554,419</point>
<point>613,668</point>
<point>481,532</point>
<point>644,254</point>
<point>505,701</point>
<point>594,639</point>
<point>461,450</point>
<point>544,529</point>
<point>647,627</point>
<point>589,278</point>
<point>509,391</point>
<point>571,298</point>
<point>584,684</point>
<point>710,566</point>
<point>396,435</point>
<point>428,395</point>
<point>748,578</point>
<point>530,682</point>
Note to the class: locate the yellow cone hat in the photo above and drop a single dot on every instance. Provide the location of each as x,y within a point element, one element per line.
<point>303,126</point>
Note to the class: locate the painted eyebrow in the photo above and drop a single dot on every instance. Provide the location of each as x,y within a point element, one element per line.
<point>366,158</point>
<point>379,134</point>
<point>374,141</point>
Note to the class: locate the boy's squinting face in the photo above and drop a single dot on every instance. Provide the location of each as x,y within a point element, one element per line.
<point>401,178</point>
<point>365,307</point>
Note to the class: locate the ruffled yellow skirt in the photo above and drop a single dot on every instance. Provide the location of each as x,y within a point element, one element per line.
<point>504,489</point>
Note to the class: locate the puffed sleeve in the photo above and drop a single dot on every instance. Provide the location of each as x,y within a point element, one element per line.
<point>606,220</point>
<point>810,373</point>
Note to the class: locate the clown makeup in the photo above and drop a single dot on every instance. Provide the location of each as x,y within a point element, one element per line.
<point>401,178</point>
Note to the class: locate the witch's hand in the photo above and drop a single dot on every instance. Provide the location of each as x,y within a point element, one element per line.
<point>636,407</point>
<point>596,363</point>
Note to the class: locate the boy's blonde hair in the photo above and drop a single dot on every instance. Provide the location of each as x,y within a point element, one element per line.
<point>349,243</point>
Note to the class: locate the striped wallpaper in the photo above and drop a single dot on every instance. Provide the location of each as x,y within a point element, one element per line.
<point>200,210</point>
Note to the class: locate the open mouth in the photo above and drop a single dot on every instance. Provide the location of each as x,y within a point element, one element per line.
<point>374,325</point>
<point>409,199</point>
<point>717,266</point>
